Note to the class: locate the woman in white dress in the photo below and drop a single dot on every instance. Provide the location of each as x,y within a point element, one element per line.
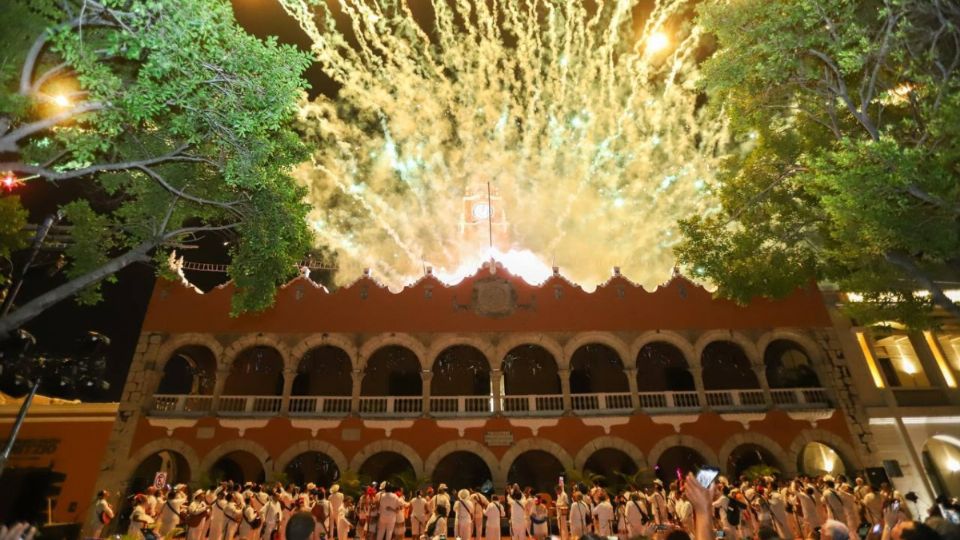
<point>494,513</point>
<point>518,517</point>
<point>538,517</point>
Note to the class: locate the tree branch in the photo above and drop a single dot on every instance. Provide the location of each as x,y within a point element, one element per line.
<point>176,155</point>
<point>180,193</point>
<point>919,276</point>
<point>929,198</point>
<point>842,92</point>
<point>8,143</point>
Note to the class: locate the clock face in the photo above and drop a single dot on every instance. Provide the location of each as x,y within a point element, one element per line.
<point>480,211</point>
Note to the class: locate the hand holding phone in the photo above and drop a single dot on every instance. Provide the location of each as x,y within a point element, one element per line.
<point>707,475</point>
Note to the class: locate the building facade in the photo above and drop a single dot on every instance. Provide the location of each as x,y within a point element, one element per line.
<point>495,380</point>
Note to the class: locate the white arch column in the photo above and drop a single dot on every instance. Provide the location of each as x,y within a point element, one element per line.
<point>632,384</point>
<point>426,376</point>
<point>222,374</point>
<point>697,373</point>
<point>564,374</point>
<point>355,393</point>
<point>289,375</point>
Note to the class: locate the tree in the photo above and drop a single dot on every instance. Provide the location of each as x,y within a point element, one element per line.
<point>177,124</point>
<point>13,218</point>
<point>849,114</point>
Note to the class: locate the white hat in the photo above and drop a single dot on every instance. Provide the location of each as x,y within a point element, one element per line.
<point>658,482</point>
<point>311,486</point>
<point>198,493</point>
<point>383,485</point>
<point>463,494</point>
<point>827,478</point>
<point>334,488</point>
<point>441,486</point>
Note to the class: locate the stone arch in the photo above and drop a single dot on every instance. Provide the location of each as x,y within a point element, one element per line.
<point>170,346</point>
<point>387,445</point>
<point>603,338</point>
<point>750,437</point>
<point>246,342</point>
<point>242,445</point>
<point>681,440</point>
<point>446,341</point>
<point>312,445</point>
<point>532,443</point>
<point>465,445</point>
<point>510,342</point>
<point>850,457</point>
<point>814,351</point>
<point>608,441</point>
<point>340,341</point>
<point>748,346</point>
<point>404,340</point>
<point>159,445</point>
<point>673,338</point>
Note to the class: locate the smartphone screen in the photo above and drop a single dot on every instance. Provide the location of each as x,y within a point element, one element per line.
<point>895,505</point>
<point>721,533</point>
<point>707,475</point>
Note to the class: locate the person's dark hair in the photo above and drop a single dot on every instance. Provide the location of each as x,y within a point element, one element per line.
<point>829,484</point>
<point>914,530</point>
<point>677,534</point>
<point>946,530</point>
<point>101,494</point>
<point>441,511</point>
<point>300,526</point>
<point>767,533</point>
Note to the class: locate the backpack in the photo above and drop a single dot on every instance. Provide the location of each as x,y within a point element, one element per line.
<point>431,528</point>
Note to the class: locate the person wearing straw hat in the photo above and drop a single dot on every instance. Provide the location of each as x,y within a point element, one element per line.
<point>390,507</point>
<point>463,522</point>
<point>494,514</point>
<point>603,514</point>
<point>336,501</point>
<point>169,516</point>
<point>197,512</point>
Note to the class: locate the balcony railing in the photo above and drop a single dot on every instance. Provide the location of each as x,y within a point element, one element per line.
<point>319,405</point>
<point>461,405</point>
<point>533,405</point>
<point>391,406</point>
<point>601,403</point>
<point>480,406</point>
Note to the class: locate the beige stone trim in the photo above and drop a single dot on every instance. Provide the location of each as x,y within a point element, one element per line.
<point>243,445</point>
<point>464,445</point>
<point>608,441</point>
<point>312,445</point>
<point>748,346</point>
<point>602,338</point>
<point>372,345</point>
<point>160,445</point>
<point>341,341</point>
<point>387,445</point>
<point>515,340</point>
<point>682,440</point>
<point>666,336</point>
<point>267,340</point>
<point>787,466</point>
<point>445,341</point>
<point>849,457</point>
<point>533,443</point>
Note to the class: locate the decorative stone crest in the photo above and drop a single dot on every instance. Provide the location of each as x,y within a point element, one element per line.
<point>494,297</point>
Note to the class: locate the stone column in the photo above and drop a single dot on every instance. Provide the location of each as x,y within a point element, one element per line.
<point>289,375</point>
<point>565,390</point>
<point>697,373</point>
<point>222,374</point>
<point>632,384</point>
<point>496,378</point>
<point>761,372</point>
<point>426,376</point>
<point>355,394</point>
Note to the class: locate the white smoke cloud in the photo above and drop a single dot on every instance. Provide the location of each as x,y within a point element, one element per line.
<point>593,144</point>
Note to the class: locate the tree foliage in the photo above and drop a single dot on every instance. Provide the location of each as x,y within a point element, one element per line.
<point>848,113</point>
<point>13,218</point>
<point>178,124</point>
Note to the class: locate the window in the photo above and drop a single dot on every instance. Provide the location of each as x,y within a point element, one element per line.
<point>899,362</point>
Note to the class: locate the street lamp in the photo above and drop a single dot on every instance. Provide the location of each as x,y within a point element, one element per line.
<point>61,101</point>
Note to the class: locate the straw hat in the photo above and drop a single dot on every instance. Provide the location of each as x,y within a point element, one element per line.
<point>463,494</point>
<point>334,489</point>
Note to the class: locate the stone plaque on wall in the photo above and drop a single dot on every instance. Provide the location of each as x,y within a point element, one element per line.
<point>498,438</point>
<point>350,434</point>
<point>494,297</point>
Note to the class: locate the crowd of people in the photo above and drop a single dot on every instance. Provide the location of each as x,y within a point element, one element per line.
<point>763,509</point>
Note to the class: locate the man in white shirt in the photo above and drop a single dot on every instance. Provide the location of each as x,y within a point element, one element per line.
<point>196,513</point>
<point>170,511</point>
<point>635,516</point>
<point>480,504</point>
<point>463,510</point>
<point>579,516</point>
<point>563,513</point>
<point>493,513</point>
<point>336,501</point>
<point>603,513</point>
<point>389,508</point>
<point>418,515</point>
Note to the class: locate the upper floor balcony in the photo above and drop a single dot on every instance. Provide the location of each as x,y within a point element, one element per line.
<point>461,380</point>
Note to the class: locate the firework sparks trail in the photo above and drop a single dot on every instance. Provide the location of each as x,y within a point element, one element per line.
<point>593,143</point>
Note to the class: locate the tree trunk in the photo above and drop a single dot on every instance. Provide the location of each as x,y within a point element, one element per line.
<point>38,305</point>
<point>907,264</point>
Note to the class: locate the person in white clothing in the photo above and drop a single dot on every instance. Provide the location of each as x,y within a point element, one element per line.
<point>563,513</point>
<point>419,513</point>
<point>140,519</point>
<point>603,516</point>
<point>196,516</point>
<point>102,514</point>
<point>272,515</point>
<point>233,514</point>
<point>684,511</point>
<point>494,514</point>
<point>636,515</point>
<point>538,517</point>
<point>218,517</point>
<point>850,511</point>
<point>518,517</point>
<point>169,516</point>
<point>479,507</point>
<point>336,501</point>
<point>463,510</point>
<point>389,509</point>
<point>579,516</point>
<point>249,528</point>
<point>345,515</point>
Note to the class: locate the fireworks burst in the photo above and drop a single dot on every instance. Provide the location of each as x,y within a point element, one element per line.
<point>584,122</point>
